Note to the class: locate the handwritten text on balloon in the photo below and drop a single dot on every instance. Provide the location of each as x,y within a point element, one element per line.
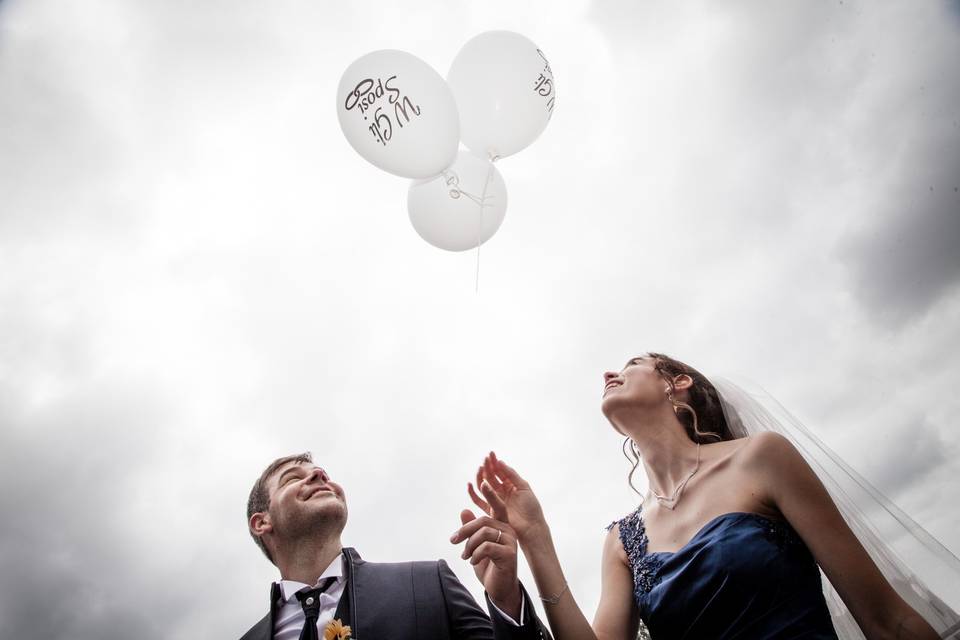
<point>543,85</point>
<point>366,95</point>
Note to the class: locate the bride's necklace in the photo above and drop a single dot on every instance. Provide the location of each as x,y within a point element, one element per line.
<point>671,501</point>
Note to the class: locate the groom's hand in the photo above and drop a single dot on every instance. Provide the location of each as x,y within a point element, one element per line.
<point>492,550</point>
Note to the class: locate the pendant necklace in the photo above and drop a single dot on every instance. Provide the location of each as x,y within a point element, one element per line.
<point>671,501</point>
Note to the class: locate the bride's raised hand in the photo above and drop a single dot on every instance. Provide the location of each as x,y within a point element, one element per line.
<point>511,494</point>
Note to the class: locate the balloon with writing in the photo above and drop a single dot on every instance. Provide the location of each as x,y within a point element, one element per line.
<point>462,207</point>
<point>398,113</point>
<point>505,92</point>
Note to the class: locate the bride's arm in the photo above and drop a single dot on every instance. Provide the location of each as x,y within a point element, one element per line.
<point>510,498</point>
<point>616,617</point>
<point>802,499</point>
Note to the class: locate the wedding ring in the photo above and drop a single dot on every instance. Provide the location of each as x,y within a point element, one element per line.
<point>499,534</point>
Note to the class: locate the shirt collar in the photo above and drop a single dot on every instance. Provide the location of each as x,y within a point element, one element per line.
<point>289,587</point>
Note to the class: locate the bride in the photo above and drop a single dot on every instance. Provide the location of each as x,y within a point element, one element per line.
<point>729,541</point>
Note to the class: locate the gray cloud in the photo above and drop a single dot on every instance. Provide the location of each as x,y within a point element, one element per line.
<point>197,274</point>
<point>59,137</point>
<point>909,258</point>
<point>864,130</point>
<point>910,453</point>
<point>68,472</point>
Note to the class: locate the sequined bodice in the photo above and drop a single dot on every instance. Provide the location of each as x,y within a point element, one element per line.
<point>742,575</point>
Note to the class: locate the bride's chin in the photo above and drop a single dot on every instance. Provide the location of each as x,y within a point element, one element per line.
<point>609,401</point>
<point>607,407</point>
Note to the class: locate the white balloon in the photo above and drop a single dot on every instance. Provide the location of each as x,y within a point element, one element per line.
<point>505,92</point>
<point>398,113</point>
<point>461,206</point>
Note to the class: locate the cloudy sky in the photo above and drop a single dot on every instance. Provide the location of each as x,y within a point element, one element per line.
<point>198,274</point>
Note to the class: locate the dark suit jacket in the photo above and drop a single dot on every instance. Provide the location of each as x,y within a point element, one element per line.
<point>412,601</point>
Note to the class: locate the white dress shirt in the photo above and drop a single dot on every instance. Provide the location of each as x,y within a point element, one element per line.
<point>290,616</point>
<point>523,605</point>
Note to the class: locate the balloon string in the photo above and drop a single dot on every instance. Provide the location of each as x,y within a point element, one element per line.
<point>482,203</point>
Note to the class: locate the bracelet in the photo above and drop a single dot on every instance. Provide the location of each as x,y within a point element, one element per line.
<point>555,599</point>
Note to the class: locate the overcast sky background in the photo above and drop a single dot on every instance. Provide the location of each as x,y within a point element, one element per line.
<point>198,274</point>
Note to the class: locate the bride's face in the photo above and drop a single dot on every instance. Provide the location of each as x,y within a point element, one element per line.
<point>637,385</point>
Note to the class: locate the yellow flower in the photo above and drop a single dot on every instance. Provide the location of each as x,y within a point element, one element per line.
<point>336,630</point>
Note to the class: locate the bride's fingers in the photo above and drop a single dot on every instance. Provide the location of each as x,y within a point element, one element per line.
<point>511,475</point>
<point>477,500</point>
<point>491,474</point>
<point>498,505</point>
<point>480,476</point>
<point>501,475</point>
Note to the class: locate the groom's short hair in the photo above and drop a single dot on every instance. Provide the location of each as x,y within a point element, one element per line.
<point>259,500</point>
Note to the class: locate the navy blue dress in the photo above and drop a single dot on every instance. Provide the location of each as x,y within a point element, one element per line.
<point>741,576</point>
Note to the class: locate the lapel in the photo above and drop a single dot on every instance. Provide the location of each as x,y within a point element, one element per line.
<point>346,608</point>
<point>263,630</point>
<point>379,597</point>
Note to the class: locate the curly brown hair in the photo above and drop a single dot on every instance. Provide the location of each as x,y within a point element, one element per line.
<point>701,415</point>
<point>703,400</point>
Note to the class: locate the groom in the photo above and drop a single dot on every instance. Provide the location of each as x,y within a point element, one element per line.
<point>296,514</point>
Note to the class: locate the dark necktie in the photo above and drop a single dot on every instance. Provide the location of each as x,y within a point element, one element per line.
<point>310,601</point>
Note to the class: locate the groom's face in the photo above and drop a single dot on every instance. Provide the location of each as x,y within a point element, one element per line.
<point>303,498</point>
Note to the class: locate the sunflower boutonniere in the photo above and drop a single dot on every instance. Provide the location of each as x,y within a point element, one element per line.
<point>336,630</point>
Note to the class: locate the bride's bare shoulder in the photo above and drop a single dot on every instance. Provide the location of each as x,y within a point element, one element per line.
<point>737,448</point>
<point>764,449</point>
